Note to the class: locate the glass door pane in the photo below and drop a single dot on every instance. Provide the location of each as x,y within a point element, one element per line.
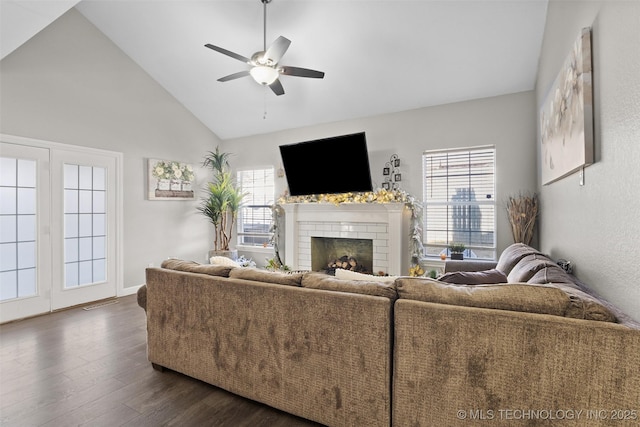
<point>85,214</point>
<point>25,243</point>
<point>17,228</point>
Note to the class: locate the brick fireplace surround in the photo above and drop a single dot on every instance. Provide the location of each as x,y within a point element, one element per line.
<point>386,224</point>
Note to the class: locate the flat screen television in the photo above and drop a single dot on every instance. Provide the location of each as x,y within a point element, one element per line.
<point>333,165</point>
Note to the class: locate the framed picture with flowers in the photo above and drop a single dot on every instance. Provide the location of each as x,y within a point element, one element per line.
<point>170,180</point>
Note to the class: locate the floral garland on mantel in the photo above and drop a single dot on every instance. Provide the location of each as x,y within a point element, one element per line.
<point>378,196</point>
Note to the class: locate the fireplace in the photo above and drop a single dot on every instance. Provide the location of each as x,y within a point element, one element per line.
<point>329,253</point>
<point>386,225</point>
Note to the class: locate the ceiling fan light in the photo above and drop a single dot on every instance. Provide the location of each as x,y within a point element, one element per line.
<point>264,75</point>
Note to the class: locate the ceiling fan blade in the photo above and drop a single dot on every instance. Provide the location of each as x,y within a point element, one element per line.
<point>301,72</point>
<point>276,87</point>
<point>277,49</point>
<point>229,53</point>
<point>234,76</point>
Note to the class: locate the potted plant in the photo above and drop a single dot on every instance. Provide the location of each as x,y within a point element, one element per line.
<point>222,203</point>
<point>274,264</point>
<point>457,250</point>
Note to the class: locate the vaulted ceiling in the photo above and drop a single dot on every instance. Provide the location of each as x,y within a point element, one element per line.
<point>379,56</point>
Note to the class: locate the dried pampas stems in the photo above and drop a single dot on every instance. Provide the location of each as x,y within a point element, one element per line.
<point>523,212</point>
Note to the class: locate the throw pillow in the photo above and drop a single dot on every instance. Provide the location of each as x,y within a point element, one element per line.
<point>485,277</point>
<point>223,260</point>
<point>341,273</point>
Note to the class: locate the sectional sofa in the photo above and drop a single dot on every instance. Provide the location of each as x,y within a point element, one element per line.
<point>532,349</point>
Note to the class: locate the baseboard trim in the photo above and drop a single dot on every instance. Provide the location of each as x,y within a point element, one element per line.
<point>129,290</point>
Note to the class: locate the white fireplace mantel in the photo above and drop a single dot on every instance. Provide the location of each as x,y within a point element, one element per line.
<point>386,224</point>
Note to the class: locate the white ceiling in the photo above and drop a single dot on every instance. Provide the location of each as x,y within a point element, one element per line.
<point>379,56</point>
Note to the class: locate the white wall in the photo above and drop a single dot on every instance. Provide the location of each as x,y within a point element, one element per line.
<point>70,84</point>
<point>508,122</point>
<point>596,226</point>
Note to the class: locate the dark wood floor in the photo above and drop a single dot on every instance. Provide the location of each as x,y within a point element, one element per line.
<point>89,367</point>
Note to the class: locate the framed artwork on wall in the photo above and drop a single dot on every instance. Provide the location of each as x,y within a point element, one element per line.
<point>170,180</point>
<point>391,174</point>
<point>566,116</point>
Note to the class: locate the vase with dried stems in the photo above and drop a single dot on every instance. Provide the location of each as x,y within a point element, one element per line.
<point>523,213</point>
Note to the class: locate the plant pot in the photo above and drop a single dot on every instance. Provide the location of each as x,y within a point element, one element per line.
<point>458,256</point>
<point>232,254</point>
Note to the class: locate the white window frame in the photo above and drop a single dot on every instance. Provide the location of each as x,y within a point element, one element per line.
<point>486,201</point>
<point>266,202</point>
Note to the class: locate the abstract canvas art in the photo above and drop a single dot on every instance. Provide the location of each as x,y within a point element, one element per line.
<point>566,116</point>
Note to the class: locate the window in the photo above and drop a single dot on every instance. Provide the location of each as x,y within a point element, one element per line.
<point>459,201</point>
<point>254,218</point>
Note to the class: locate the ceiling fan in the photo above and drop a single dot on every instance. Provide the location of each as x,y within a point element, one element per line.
<point>265,68</point>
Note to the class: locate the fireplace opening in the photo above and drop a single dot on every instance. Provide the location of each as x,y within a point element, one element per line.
<point>329,253</point>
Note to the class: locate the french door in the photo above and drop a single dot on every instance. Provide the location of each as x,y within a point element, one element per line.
<point>25,241</point>
<point>59,227</point>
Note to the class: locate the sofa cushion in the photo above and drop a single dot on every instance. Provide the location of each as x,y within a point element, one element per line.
<point>194,267</point>
<point>315,280</point>
<point>468,264</point>
<point>513,296</point>
<point>277,277</point>
<point>584,306</point>
<point>558,299</point>
<point>512,255</point>
<point>551,274</point>
<point>341,273</point>
<point>527,267</point>
<point>474,277</point>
